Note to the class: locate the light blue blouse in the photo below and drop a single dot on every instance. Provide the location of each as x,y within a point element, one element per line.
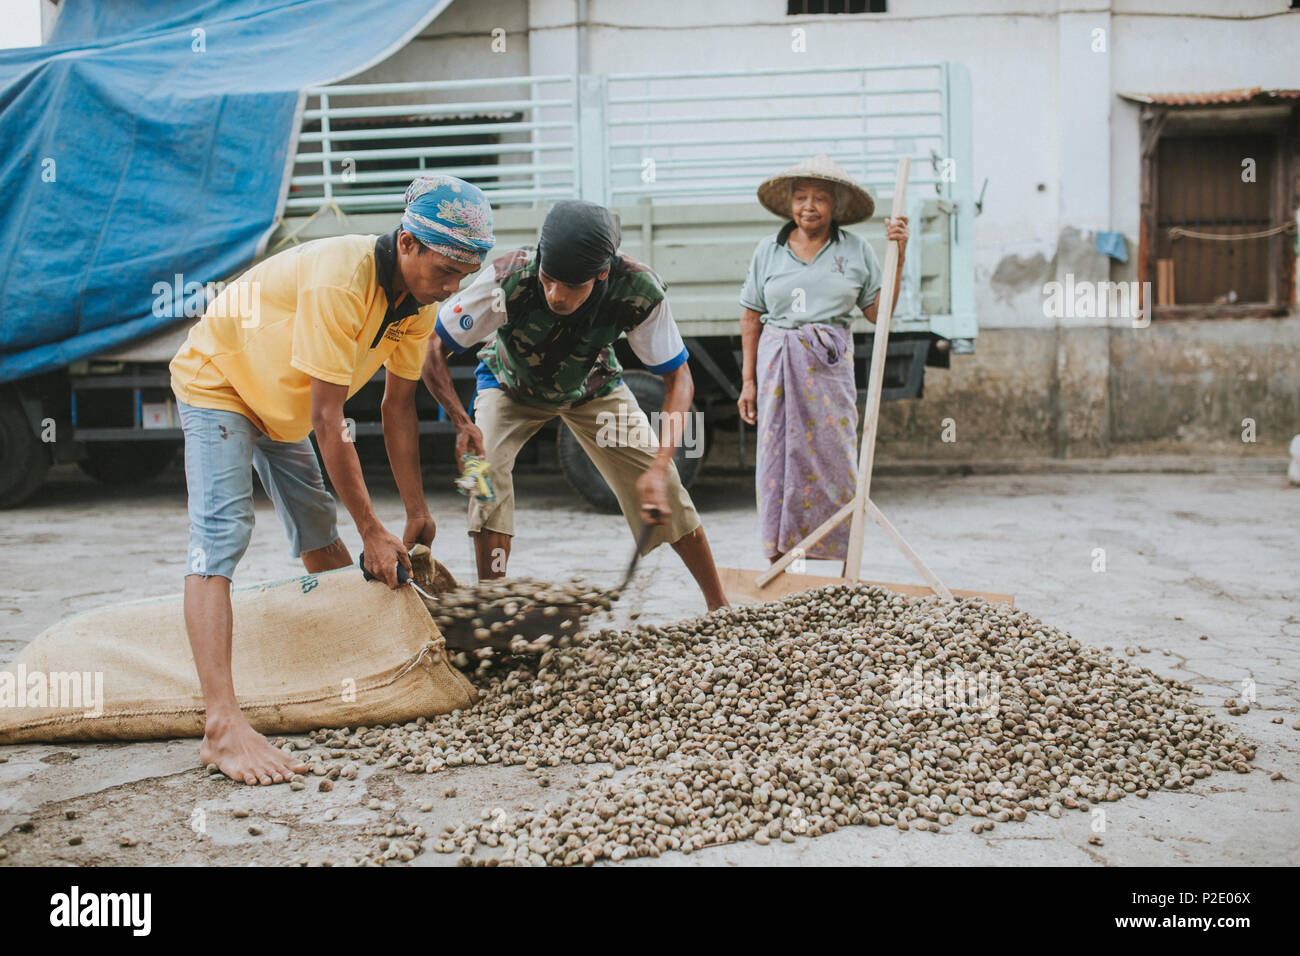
<point>842,280</point>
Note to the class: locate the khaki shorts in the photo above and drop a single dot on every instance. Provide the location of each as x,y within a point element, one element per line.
<point>507,425</point>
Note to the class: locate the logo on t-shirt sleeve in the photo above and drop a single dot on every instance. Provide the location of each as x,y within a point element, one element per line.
<point>466,320</point>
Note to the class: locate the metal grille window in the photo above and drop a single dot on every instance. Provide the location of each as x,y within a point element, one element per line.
<point>800,7</point>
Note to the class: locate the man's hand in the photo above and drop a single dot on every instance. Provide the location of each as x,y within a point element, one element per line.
<point>383,553</point>
<point>748,403</point>
<point>420,529</point>
<point>469,439</point>
<point>652,489</point>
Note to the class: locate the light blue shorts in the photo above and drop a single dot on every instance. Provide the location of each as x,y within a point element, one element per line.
<point>221,451</point>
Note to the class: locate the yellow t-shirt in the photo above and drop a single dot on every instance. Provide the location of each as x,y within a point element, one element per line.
<point>313,311</point>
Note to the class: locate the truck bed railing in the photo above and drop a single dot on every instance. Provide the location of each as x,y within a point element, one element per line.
<point>678,154</point>
<point>361,144</point>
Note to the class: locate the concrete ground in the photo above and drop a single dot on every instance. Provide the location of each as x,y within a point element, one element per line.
<point>1200,569</point>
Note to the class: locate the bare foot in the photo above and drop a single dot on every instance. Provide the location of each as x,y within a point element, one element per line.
<point>244,755</point>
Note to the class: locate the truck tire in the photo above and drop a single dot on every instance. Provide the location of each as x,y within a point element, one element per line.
<point>127,462</point>
<point>24,458</point>
<point>583,476</point>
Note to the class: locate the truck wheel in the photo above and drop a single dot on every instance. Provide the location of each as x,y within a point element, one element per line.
<point>24,459</point>
<point>583,476</point>
<point>127,462</point>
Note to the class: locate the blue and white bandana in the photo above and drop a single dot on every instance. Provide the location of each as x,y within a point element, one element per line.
<point>450,216</point>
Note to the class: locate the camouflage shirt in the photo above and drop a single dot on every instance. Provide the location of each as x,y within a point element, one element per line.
<point>545,359</point>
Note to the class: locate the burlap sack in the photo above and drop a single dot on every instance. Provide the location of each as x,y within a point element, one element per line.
<point>321,650</point>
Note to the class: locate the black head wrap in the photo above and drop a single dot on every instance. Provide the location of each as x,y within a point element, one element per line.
<point>578,241</point>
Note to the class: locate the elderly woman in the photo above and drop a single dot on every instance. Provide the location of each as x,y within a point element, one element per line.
<point>803,287</point>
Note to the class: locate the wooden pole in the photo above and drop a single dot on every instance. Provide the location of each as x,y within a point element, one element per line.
<point>875,382</point>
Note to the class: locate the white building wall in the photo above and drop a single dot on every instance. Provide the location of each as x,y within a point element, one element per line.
<point>458,45</point>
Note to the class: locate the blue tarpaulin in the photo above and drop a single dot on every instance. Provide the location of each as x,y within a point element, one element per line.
<point>148,140</point>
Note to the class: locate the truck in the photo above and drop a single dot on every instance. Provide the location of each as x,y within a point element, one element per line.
<point>677,156</point>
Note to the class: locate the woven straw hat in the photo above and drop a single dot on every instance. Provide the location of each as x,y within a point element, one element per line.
<point>774,194</point>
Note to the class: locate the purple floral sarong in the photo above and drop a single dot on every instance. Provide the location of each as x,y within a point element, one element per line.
<point>807,436</point>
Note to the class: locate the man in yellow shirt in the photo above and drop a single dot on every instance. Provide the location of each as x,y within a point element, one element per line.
<point>273,359</point>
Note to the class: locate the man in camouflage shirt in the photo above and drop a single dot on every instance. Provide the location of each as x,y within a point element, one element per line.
<point>549,316</point>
